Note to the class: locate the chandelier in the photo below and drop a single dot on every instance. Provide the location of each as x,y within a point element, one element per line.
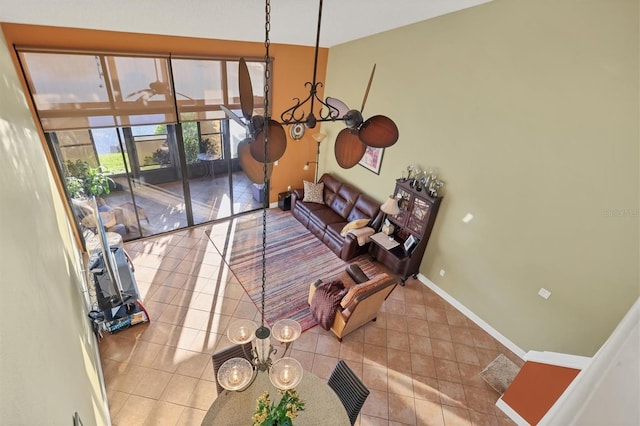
<point>377,131</point>
<point>285,373</point>
<point>295,115</point>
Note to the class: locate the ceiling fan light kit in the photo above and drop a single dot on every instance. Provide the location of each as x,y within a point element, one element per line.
<point>297,131</point>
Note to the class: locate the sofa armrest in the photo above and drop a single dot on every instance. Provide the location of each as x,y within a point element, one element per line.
<point>296,195</point>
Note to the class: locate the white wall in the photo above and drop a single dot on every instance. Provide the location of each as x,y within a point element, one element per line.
<point>608,390</point>
<point>48,358</point>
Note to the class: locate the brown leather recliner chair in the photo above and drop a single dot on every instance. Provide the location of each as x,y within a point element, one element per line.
<point>362,301</point>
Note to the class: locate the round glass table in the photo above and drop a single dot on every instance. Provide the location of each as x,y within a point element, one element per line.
<point>322,405</point>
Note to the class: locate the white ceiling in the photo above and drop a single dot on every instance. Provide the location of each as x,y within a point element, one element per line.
<point>292,21</point>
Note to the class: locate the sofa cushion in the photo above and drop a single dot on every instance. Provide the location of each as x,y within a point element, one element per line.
<point>307,208</point>
<point>331,187</point>
<point>335,230</point>
<point>325,217</point>
<point>333,239</point>
<point>364,207</point>
<point>313,192</point>
<point>344,200</point>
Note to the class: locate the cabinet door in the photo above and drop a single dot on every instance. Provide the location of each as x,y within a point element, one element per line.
<point>404,201</point>
<point>418,215</point>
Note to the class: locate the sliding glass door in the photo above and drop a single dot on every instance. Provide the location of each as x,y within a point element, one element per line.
<point>145,135</point>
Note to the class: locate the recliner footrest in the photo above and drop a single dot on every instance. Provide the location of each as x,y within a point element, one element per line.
<point>356,273</point>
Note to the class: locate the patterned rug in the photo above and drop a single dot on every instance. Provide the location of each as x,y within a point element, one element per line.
<point>294,259</point>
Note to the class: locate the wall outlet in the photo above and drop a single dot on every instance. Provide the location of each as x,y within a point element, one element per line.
<point>442,272</point>
<point>544,293</point>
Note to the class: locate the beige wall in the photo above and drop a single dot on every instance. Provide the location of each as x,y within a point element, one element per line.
<point>529,110</point>
<point>48,362</point>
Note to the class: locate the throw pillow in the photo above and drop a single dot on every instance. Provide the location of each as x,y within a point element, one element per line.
<point>313,192</point>
<point>354,224</point>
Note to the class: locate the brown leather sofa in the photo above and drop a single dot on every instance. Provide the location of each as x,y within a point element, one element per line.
<point>343,203</point>
<point>361,303</point>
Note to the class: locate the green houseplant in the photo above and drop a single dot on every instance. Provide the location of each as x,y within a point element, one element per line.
<point>84,181</point>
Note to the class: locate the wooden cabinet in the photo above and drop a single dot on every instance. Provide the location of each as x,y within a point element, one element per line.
<point>415,220</point>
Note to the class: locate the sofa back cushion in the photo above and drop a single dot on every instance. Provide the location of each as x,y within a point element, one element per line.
<point>331,187</point>
<point>344,200</point>
<point>364,207</point>
<point>349,202</point>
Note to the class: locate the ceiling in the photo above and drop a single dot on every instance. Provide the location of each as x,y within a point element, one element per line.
<point>292,21</point>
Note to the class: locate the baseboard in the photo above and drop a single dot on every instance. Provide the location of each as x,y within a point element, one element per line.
<point>561,360</point>
<point>473,317</point>
<point>511,413</point>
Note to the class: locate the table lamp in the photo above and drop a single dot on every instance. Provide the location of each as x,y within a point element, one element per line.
<point>390,207</point>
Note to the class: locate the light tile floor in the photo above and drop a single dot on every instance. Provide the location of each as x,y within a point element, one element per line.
<point>420,359</point>
<point>164,204</point>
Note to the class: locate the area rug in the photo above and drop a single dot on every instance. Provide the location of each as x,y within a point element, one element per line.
<point>294,259</point>
<point>500,373</point>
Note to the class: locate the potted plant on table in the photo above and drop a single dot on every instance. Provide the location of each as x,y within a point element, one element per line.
<point>268,414</point>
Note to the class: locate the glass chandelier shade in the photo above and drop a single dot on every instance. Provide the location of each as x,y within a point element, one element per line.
<point>242,331</point>
<point>235,374</point>
<point>285,373</point>
<point>319,137</point>
<point>286,330</point>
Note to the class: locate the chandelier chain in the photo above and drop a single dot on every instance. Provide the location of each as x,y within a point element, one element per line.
<point>267,75</point>
<point>296,113</point>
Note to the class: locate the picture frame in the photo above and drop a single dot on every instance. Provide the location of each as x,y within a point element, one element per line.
<point>372,159</point>
<point>410,243</point>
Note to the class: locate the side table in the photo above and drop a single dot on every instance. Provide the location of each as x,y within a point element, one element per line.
<point>284,200</point>
<point>391,253</point>
<point>208,159</point>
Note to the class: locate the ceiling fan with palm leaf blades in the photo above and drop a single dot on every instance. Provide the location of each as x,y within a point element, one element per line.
<point>157,87</point>
<point>377,131</point>
<point>251,151</point>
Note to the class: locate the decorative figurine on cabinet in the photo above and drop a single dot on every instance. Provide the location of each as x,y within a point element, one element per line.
<point>434,187</point>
